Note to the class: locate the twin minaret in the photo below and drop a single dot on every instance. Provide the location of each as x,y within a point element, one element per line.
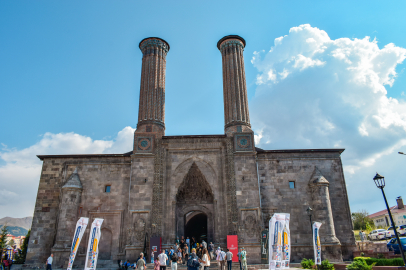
<point>151,114</point>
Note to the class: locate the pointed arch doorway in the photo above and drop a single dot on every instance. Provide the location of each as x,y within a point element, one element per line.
<point>196,226</point>
<point>195,207</point>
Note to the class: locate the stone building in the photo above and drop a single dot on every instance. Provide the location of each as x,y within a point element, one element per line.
<point>207,186</point>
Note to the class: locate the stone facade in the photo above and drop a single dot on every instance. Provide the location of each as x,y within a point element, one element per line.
<point>166,183</point>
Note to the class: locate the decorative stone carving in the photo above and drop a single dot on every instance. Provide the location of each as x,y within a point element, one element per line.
<point>194,188</point>
<point>157,193</point>
<point>232,212</point>
<point>140,230</point>
<point>250,226</point>
<point>130,236</point>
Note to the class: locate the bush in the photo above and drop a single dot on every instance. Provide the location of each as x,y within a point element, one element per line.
<point>359,265</point>
<point>326,265</point>
<point>307,264</point>
<point>380,262</point>
<point>22,253</point>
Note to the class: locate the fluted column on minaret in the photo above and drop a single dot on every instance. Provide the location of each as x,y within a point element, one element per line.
<point>234,86</point>
<point>151,114</point>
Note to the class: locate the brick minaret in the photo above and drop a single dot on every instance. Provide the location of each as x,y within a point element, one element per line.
<point>151,114</point>
<point>236,115</point>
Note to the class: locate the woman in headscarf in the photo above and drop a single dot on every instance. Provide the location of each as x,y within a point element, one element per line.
<point>193,262</point>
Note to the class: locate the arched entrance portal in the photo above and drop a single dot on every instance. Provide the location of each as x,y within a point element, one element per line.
<point>195,207</point>
<point>196,226</point>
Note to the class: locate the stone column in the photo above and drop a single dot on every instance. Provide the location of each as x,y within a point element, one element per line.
<point>234,86</point>
<point>151,114</point>
<point>68,217</point>
<point>323,213</point>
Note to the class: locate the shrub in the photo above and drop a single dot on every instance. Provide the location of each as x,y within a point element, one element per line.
<point>359,265</point>
<point>307,264</point>
<point>380,262</point>
<point>326,265</point>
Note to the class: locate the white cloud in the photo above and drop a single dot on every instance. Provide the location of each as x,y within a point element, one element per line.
<point>329,93</point>
<point>19,177</point>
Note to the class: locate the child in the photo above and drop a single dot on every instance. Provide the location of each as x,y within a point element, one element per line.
<point>157,264</point>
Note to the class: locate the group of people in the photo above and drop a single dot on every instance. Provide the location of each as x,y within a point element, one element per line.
<point>200,256</point>
<point>222,257</point>
<point>139,263</point>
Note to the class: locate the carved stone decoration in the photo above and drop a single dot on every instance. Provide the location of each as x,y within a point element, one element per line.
<point>194,188</point>
<point>130,236</point>
<point>157,193</point>
<point>250,226</point>
<point>232,210</point>
<point>139,230</point>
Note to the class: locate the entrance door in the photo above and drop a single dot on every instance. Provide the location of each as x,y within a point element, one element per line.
<point>105,244</point>
<point>196,226</point>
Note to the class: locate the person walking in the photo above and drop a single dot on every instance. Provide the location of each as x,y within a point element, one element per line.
<point>49,262</point>
<point>244,259</point>
<point>193,262</point>
<point>362,235</point>
<point>174,261</point>
<point>211,249</point>
<point>157,264</point>
<point>229,257</point>
<point>188,243</point>
<point>205,259</point>
<point>185,255</point>
<point>162,260</point>
<point>179,255</point>
<point>141,265</point>
<point>239,257</point>
<point>222,259</point>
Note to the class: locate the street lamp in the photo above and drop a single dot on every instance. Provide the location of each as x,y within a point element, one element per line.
<point>309,211</point>
<point>380,183</point>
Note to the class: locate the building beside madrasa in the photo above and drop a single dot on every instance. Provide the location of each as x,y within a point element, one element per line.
<point>206,186</point>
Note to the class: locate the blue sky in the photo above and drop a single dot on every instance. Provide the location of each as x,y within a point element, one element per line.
<point>71,69</point>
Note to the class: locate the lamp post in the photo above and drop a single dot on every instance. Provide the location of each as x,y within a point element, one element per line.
<point>309,211</point>
<point>380,183</point>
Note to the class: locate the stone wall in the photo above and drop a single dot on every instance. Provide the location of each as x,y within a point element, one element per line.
<point>278,168</point>
<point>94,173</point>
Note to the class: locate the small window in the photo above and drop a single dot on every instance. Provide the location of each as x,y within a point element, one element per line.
<point>80,210</point>
<point>107,189</point>
<point>291,184</point>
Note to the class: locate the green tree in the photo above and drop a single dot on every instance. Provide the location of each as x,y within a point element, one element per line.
<point>361,220</point>
<point>3,237</point>
<point>22,253</point>
<point>11,243</point>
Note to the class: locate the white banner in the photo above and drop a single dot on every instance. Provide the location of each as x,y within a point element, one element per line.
<point>79,231</point>
<point>93,246</point>
<point>316,242</point>
<point>286,243</point>
<point>279,241</point>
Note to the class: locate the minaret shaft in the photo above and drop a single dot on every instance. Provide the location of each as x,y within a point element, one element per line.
<point>152,91</point>
<point>234,84</point>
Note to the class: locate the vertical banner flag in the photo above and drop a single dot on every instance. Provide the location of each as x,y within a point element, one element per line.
<point>279,241</point>
<point>232,245</point>
<point>79,231</point>
<point>93,246</point>
<point>316,243</point>
<point>286,243</point>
